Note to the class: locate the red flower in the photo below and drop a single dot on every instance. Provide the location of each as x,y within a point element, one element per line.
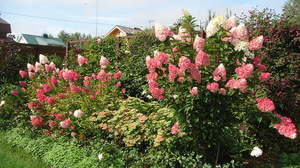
<point>265,105</point>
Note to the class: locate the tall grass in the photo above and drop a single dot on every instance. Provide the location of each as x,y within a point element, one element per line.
<point>11,157</point>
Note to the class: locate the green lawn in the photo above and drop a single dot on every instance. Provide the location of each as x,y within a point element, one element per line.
<point>11,157</point>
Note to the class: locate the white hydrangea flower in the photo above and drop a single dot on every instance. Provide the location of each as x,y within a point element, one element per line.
<point>100,156</point>
<point>2,103</point>
<point>256,152</point>
<point>78,113</point>
<point>214,25</point>
<point>175,96</point>
<point>43,59</point>
<point>149,96</point>
<point>242,46</point>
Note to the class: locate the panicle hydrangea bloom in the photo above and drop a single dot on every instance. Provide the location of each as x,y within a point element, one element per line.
<point>36,121</point>
<point>219,73</point>
<point>104,62</point>
<point>117,75</point>
<point>265,105</point>
<point>47,88</point>
<point>286,127</point>
<point>199,43</point>
<point>245,71</point>
<point>68,75</point>
<point>152,77</point>
<point>264,77</point>
<point>78,113</point>
<point>183,35</point>
<point>22,83</point>
<point>241,32</point>
<point>256,152</point>
<point>53,80</point>
<point>242,46</point>
<point>50,100</point>
<point>162,32</point>
<point>214,25</point>
<point>75,89</point>
<point>61,96</point>
<point>173,72</point>
<point>81,60</point>
<point>160,58</point>
<point>195,73</point>
<point>31,74</point>
<point>213,87</point>
<point>23,73</point>
<point>30,67</point>
<point>184,63</point>
<point>256,43</point>
<point>14,92</point>
<point>240,84</point>
<point>261,68</point>
<point>202,59</point>
<point>43,59</point>
<point>230,22</point>
<point>38,67</point>
<point>222,91</point>
<point>157,93</point>
<point>194,91</point>
<point>52,124</point>
<point>66,123</point>
<point>175,128</point>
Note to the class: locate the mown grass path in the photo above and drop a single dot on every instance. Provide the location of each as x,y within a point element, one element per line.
<point>11,157</point>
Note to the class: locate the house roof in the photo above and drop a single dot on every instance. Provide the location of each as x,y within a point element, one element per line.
<point>126,30</point>
<point>43,40</point>
<point>4,27</point>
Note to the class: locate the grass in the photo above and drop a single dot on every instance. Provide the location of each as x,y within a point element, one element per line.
<point>11,157</point>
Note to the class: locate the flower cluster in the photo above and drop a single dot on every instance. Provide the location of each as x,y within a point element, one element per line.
<point>286,127</point>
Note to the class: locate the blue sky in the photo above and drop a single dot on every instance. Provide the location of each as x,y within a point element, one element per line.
<point>30,16</point>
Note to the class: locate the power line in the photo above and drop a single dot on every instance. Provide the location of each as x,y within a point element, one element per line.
<point>57,19</point>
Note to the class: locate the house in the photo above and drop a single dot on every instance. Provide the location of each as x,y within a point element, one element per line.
<point>5,29</point>
<point>41,40</point>
<point>119,30</point>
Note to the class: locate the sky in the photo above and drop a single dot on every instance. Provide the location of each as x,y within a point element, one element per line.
<point>98,17</point>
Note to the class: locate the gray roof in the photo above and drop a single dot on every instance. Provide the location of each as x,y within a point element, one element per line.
<point>126,30</point>
<point>4,27</point>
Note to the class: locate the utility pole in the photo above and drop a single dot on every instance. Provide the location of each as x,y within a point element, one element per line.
<point>150,21</point>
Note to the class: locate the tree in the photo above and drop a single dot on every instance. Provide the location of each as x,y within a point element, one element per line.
<point>291,8</point>
<point>65,37</point>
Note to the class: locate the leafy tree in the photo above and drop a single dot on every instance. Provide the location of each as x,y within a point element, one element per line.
<point>65,37</point>
<point>291,8</point>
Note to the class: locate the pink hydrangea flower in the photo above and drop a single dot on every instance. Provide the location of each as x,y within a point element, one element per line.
<point>118,84</point>
<point>286,127</point>
<point>151,64</point>
<point>81,60</point>
<point>61,96</point>
<point>222,91</point>
<point>14,92</point>
<point>98,40</point>
<point>229,23</point>
<point>175,128</point>
<point>213,87</point>
<point>66,123</point>
<point>195,73</point>
<point>47,88</point>
<point>22,83</point>
<point>256,43</point>
<point>261,68</point>
<point>69,75</point>
<point>184,63</point>
<point>50,67</point>
<point>75,89</point>
<point>59,116</point>
<point>30,67</point>
<point>194,91</point>
<point>241,32</point>
<point>264,77</point>
<point>202,59</point>
<point>117,75</point>
<point>50,100</point>
<point>104,62</point>
<point>184,35</point>
<point>173,72</point>
<point>36,121</point>
<point>157,93</point>
<point>162,32</point>
<point>31,74</point>
<point>240,84</point>
<point>160,58</point>
<point>52,124</point>
<point>219,73</point>
<point>53,80</point>
<point>23,73</point>
<point>199,43</point>
<point>245,71</point>
<point>152,76</point>
<point>38,67</point>
<point>265,105</point>
<point>73,134</point>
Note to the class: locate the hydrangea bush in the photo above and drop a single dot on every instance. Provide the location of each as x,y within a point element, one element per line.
<point>214,83</point>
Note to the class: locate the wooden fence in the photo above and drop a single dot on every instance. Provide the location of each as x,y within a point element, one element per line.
<point>28,49</point>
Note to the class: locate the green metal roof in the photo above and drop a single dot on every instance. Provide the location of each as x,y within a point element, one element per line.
<point>43,40</point>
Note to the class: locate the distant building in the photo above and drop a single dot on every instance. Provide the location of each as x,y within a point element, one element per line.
<point>123,31</point>
<point>4,31</point>
<point>41,40</point>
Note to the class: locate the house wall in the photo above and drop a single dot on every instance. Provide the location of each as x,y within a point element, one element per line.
<point>117,33</point>
<point>23,41</point>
